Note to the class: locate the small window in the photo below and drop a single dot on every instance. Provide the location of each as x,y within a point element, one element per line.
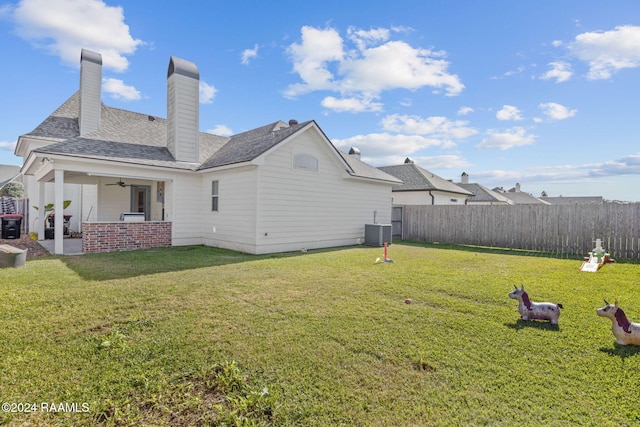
<point>454,200</point>
<point>214,196</point>
<point>305,162</point>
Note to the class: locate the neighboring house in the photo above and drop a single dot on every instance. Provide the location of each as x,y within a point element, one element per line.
<point>481,194</point>
<point>280,187</point>
<point>520,197</point>
<point>580,200</point>
<point>9,173</point>
<point>421,187</point>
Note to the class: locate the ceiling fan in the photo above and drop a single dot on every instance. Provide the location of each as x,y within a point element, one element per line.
<point>121,183</point>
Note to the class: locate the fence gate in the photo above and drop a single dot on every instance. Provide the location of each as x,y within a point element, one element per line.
<point>396,223</point>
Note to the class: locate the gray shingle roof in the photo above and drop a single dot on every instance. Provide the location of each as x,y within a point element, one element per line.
<point>116,151</point>
<point>61,124</point>
<point>362,169</point>
<point>522,198</point>
<point>483,194</point>
<point>416,178</point>
<point>246,146</point>
<point>130,137</point>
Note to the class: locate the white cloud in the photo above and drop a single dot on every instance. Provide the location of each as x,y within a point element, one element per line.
<point>509,112</point>
<point>118,90</point>
<point>378,147</point>
<point>609,51</point>
<point>397,65</point>
<point>364,38</point>
<point>560,71</point>
<point>371,65</point>
<point>64,27</point>
<point>555,111</point>
<point>510,138</point>
<point>463,111</point>
<point>311,58</point>
<point>436,126</point>
<point>249,54</point>
<point>629,165</point>
<point>353,105</point>
<point>442,162</point>
<point>405,136</point>
<point>207,93</point>
<point>9,146</point>
<point>222,130</point>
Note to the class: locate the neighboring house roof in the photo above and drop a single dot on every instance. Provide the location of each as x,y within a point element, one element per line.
<point>561,200</point>
<point>482,194</point>
<point>136,138</point>
<point>415,178</point>
<point>8,173</point>
<point>521,198</point>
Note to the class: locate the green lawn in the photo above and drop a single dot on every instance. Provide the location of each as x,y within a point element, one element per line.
<point>199,336</point>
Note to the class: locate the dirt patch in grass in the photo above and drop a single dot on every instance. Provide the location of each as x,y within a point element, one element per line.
<point>26,242</point>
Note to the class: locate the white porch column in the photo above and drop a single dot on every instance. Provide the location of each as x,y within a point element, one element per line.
<point>41,213</point>
<point>59,212</point>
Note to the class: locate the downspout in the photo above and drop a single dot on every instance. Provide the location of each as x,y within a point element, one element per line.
<point>433,199</point>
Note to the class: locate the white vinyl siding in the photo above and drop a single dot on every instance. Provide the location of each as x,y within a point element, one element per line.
<point>298,209</point>
<point>234,225</point>
<point>185,210</point>
<point>215,197</point>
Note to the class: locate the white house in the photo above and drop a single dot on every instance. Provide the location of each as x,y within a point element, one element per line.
<point>279,187</point>
<point>421,187</point>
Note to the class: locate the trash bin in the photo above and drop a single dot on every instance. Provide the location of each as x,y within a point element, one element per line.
<point>11,226</point>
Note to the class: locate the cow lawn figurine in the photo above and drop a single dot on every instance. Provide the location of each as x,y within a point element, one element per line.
<point>535,310</point>
<point>624,331</point>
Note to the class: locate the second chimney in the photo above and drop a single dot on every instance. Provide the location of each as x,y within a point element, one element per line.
<point>183,128</point>
<point>90,91</point>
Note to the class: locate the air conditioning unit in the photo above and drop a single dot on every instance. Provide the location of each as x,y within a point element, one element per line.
<point>377,234</point>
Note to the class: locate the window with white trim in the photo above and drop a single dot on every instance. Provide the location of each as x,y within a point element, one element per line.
<point>215,196</point>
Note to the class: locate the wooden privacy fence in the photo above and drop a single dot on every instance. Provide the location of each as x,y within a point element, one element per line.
<point>563,229</point>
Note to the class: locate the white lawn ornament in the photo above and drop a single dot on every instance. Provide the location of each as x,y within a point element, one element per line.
<point>624,331</point>
<point>535,310</point>
<point>596,259</point>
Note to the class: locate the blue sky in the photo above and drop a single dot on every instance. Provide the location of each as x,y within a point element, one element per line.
<point>544,93</point>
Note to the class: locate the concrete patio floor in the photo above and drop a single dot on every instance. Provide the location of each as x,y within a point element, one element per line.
<point>69,247</point>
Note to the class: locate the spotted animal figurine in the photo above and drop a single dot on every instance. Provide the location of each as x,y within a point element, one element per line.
<point>530,310</point>
<point>625,332</point>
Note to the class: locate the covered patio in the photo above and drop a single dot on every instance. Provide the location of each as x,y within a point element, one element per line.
<point>70,246</point>
<point>117,211</point>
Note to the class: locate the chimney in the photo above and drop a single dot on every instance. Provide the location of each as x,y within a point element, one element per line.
<point>293,122</point>
<point>90,91</point>
<point>408,160</point>
<point>183,127</point>
<point>517,187</point>
<point>355,152</point>
<point>464,178</point>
